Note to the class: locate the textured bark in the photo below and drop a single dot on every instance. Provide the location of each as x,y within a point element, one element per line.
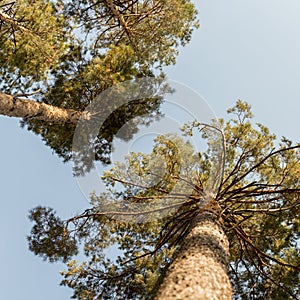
<point>200,270</point>
<point>23,108</point>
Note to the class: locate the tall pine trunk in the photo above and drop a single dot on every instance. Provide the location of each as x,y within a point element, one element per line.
<point>23,108</point>
<point>200,269</point>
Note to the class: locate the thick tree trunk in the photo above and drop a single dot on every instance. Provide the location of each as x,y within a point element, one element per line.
<point>200,270</point>
<point>23,108</point>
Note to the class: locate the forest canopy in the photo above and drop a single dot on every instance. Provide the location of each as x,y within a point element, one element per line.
<point>56,57</point>
<point>258,205</point>
<point>65,53</point>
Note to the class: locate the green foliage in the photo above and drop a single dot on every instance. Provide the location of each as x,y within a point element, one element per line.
<point>71,51</point>
<point>78,87</point>
<point>34,46</point>
<point>260,198</point>
<point>154,29</point>
<point>154,174</point>
<point>99,276</point>
<point>259,207</point>
<point>49,238</point>
<point>42,47</point>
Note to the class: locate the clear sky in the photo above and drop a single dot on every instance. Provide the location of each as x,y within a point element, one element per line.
<point>245,49</point>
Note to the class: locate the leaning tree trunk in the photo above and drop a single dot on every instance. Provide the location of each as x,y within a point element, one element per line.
<point>22,108</point>
<point>200,270</point>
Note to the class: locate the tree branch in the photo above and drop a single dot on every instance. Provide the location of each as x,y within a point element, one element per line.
<point>13,23</point>
<point>23,108</point>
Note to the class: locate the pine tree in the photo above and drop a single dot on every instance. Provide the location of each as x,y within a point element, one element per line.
<point>246,234</point>
<point>57,56</point>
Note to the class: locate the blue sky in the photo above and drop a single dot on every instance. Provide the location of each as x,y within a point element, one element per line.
<point>245,49</point>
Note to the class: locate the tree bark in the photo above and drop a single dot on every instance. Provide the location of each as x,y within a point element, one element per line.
<point>200,269</point>
<point>23,108</point>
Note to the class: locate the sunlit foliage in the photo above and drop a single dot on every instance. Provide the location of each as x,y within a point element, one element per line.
<point>65,53</point>
<point>258,204</point>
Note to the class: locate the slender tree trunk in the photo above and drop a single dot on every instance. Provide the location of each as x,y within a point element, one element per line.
<point>200,270</point>
<point>23,108</point>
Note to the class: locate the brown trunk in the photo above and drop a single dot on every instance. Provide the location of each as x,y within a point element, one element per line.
<point>200,270</point>
<point>23,108</point>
